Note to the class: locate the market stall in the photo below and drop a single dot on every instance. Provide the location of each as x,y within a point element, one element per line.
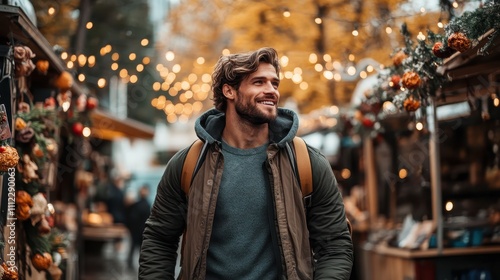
<point>45,114</point>
<point>47,124</point>
<point>439,185</point>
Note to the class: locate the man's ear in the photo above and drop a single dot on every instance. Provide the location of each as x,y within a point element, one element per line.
<point>228,91</point>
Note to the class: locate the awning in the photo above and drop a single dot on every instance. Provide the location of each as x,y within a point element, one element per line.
<point>16,25</point>
<point>108,127</point>
<point>473,72</point>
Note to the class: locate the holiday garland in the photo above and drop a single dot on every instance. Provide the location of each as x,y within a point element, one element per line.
<point>412,78</point>
<point>473,24</point>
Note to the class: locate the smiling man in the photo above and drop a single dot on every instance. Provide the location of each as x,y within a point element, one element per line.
<point>243,217</point>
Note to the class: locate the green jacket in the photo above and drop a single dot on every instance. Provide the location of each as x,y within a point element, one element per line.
<point>321,229</point>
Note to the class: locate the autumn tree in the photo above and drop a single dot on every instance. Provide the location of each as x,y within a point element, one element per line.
<point>105,39</point>
<point>56,20</point>
<point>318,39</point>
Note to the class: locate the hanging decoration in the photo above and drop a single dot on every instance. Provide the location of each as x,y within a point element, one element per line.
<point>38,127</point>
<point>471,25</point>
<point>406,85</point>
<point>8,273</point>
<point>23,61</point>
<point>459,42</point>
<point>42,66</point>
<point>8,157</point>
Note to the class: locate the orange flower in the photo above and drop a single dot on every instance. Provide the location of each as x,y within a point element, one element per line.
<point>22,197</point>
<point>20,124</point>
<point>411,80</point>
<point>42,261</point>
<point>8,157</point>
<point>8,273</point>
<point>42,66</point>
<point>458,41</point>
<point>64,81</point>
<point>23,212</point>
<point>37,151</point>
<point>411,104</point>
<point>398,58</point>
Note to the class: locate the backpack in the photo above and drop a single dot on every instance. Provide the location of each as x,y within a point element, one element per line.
<point>302,164</point>
<point>303,170</point>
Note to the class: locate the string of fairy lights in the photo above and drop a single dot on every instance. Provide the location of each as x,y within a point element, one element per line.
<point>185,95</point>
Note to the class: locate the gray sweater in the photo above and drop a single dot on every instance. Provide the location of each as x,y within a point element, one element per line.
<point>240,245</point>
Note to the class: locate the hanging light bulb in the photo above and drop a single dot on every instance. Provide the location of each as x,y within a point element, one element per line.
<point>440,23</point>
<point>421,36</point>
<point>169,56</point>
<point>419,126</point>
<point>286,13</point>
<point>51,11</point>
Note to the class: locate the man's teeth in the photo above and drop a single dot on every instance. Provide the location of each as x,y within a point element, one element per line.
<point>267,102</point>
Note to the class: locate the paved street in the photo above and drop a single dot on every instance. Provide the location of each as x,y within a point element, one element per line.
<point>109,263</point>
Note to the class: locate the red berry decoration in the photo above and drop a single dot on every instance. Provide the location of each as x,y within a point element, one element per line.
<point>92,103</point>
<point>368,123</point>
<point>439,50</point>
<point>50,102</point>
<point>395,82</point>
<point>77,128</point>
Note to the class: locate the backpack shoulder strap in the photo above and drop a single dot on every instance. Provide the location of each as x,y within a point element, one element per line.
<point>188,169</point>
<point>303,166</point>
<point>190,164</point>
<point>305,173</point>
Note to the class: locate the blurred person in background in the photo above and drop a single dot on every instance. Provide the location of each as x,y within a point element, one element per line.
<point>137,214</point>
<point>115,197</point>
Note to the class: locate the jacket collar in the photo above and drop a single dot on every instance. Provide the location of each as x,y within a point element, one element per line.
<point>209,126</point>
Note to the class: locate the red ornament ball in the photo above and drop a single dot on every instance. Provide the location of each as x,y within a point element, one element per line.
<point>77,128</point>
<point>395,82</point>
<point>439,50</point>
<point>368,123</point>
<point>92,103</point>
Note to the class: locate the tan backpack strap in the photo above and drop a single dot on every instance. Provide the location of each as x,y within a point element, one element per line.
<point>187,175</point>
<point>189,164</point>
<point>303,166</point>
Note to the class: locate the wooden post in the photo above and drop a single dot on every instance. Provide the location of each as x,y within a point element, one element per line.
<point>435,165</point>
<point>7,97</point>
<point>370,181</point>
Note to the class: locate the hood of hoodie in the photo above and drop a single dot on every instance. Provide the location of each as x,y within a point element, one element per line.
<point>209,126</point>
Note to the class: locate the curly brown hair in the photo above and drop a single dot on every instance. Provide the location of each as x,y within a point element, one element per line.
<point>234,68</point>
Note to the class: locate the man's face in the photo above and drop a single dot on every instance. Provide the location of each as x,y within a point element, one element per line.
<point>257,98</point>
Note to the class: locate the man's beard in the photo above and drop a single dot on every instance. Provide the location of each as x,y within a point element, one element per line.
<point>252,114</point>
